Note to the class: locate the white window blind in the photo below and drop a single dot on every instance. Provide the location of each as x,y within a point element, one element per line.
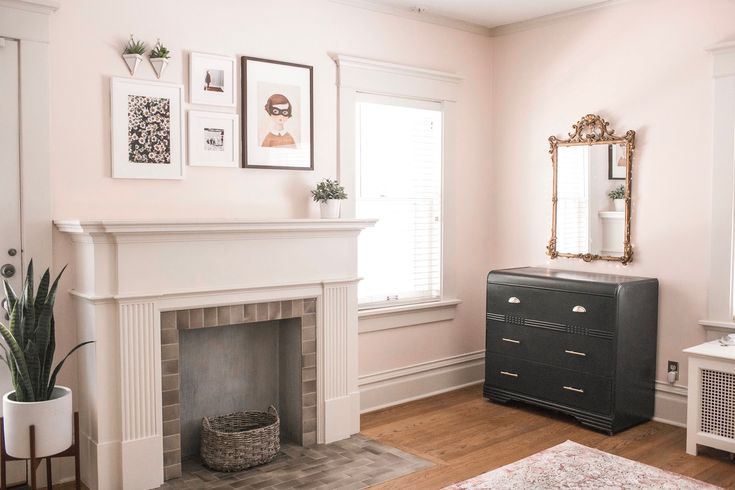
<point>399,181</point>
<point>572,228</point>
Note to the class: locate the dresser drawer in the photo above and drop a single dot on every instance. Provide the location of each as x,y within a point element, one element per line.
<point>578,311</point>
<point>563,386</point>
<point>569,351</point>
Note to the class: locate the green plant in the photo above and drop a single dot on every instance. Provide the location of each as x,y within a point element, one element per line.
<point>31,338</point>
<point>617,193</point>
<point>160,51</point>
<point>328,189</point>
<point>134,47</point>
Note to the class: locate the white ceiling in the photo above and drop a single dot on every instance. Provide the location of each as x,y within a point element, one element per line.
<point>489,13</point>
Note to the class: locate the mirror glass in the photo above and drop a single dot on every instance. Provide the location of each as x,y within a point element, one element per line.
<point>591,180</point>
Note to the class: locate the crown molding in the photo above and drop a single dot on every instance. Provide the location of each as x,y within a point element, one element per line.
<point>37,6</point>
<point>420,17</point>
<point>526,25</point>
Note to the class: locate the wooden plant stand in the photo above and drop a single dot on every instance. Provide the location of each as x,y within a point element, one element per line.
<point>72,451</point>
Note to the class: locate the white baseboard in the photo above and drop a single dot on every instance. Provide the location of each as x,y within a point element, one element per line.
<point>402,385</point>
<point>396,386</point>
<point>671,404</point>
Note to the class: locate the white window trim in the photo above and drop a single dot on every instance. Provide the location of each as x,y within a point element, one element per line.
<point>388,318</point>
<point>722,260</point>
<point>364,76</point>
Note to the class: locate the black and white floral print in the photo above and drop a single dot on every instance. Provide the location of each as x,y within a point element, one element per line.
<point>149,129</point>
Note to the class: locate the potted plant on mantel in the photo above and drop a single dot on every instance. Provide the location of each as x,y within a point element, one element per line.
<point>160,55</point>
<point>618,197</point>
<point>133,54</point>
<point>329,195</point>
<point>36,400</point>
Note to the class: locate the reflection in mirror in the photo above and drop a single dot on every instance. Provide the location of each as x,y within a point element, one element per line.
<point>591,199</point>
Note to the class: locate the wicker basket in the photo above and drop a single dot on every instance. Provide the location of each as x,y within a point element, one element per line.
<point>240,440</point>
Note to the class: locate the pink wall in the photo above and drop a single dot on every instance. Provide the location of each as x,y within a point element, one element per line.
<point>86,41</point>
<point>642,65</point>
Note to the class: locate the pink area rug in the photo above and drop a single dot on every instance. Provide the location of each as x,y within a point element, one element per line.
<point>572,465</point>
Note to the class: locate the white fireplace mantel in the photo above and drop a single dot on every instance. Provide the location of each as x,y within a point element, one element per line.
<point>128,272</point>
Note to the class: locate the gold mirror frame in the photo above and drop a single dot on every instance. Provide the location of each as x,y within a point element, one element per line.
<point>593,130</point>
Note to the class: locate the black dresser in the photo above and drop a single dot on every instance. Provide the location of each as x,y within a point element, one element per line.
<point>576,342</point>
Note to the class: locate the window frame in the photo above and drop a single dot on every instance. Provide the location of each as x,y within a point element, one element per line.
<point>358,77</point>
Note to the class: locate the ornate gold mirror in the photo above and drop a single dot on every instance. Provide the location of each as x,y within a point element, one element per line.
<point>590,202</point>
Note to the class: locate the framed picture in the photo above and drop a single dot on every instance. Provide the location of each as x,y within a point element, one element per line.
<point>616,162</point>
<point>146,129</point>
<point>212,79</point>
<point>213,139</point>
<point>277,115</point>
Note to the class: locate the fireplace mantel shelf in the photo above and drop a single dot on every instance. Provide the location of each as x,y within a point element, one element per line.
<point>126,227</point>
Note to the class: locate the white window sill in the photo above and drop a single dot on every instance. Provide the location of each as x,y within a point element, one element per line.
<point>377,319</point>
<point>719,326</point>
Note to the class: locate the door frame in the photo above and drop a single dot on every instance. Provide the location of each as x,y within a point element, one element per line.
<point>28,22</point>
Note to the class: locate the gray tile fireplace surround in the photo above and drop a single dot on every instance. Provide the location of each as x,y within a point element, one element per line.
<point>186,349</point>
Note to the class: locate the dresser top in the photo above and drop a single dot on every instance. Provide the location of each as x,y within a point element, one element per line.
<point>592,282</point>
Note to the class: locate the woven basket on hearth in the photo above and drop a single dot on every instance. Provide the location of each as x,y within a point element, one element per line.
<point>239,440</point>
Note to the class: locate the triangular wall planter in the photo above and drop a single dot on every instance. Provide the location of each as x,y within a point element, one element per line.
<point>132,60</point>
<point>159,65</point>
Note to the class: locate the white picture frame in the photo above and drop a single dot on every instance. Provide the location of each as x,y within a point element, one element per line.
<point>214,139</point>
<point>146,127</point>
<point>212,80</point>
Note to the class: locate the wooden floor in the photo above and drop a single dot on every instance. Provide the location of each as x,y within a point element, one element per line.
<point>465,435</point>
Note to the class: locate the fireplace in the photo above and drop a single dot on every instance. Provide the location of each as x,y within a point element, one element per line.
<point>130,276</point>
<point>238,357</point>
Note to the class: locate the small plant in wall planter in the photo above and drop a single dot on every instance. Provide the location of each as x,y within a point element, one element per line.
<point>37,400</point>
<point>159,56</point>
<point>329,194</point>
<point>618,197</point>
<point>133,54</point>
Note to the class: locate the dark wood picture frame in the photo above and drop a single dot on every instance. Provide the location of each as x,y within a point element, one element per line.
<point>610,165</point>
<point>244,113</point>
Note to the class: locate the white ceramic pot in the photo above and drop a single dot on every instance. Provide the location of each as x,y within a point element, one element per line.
<point>53,421</point>
<point>619,204</point>
<point>132,60</point>
<point>159,66</point>
<point>330,209</point>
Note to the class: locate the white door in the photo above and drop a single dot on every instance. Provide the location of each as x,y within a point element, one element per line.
<point>10,252</point>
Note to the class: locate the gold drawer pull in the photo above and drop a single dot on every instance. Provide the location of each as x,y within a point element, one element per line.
<point>576,390</point>
<point>514,300</point>
<point>512,341</point>
<point>575,353</point>
<point>506,373</point>
<point>579,309</point>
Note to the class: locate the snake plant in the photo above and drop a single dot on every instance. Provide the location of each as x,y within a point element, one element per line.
<point>30,338</point>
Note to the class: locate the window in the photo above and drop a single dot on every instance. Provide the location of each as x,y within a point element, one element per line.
<point>399,181</point>
<point>573,234</point>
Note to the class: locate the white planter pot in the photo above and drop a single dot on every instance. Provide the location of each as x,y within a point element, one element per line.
<point>132,60</point>
<point>619,204</point>
<point>159,65</point>
<point>330,209</point>
<point>53,421</point>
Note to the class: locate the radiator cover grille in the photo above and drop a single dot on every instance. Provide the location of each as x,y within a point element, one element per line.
<point>718,403</point>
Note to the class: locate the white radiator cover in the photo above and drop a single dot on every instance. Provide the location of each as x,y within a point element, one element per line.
<point>711,397</point>
<point>127,273</point>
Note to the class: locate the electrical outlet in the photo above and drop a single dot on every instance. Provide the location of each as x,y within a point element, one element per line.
<point>674,368</point>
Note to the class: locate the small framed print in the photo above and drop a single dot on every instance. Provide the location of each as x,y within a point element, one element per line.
<point>212,80</point>
<point>277,115</point>
<point>146,129</point>
<point>616,162</point>
<point>213,139</point>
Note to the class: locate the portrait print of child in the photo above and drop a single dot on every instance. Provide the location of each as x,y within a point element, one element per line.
<point>279,117</point>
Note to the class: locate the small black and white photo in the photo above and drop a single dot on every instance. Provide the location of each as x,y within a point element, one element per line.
<point>214,80</point>
<point>214,139</point>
